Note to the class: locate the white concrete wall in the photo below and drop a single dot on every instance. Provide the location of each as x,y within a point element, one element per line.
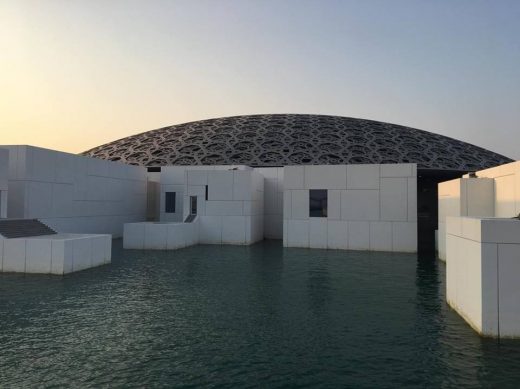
<point>273,201</point>
<point>507,188</point>
<point>172,179</point>
<point>463,197</point>
<point>482,269</point>
<point>370,207</point>
<point>234,211</point>
<point>75,194</point>
<point>4,174</point>
<point>54,254</point>
<point>160,236</point>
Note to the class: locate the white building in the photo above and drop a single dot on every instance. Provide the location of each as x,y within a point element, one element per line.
<point>480,242</point>
<point>74,194</point>
<point>356,207</point>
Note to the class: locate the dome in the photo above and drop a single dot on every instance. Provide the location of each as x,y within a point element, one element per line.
<point>295,139</point>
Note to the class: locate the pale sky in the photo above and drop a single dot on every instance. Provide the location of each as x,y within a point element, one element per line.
<point>77,74</point>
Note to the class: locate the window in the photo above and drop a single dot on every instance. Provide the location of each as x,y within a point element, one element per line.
<point>206,193</point>
<point>318,203</point>
<point>169,202</point>
<point>193,205</point>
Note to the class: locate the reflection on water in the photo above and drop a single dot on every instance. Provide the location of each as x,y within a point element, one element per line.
<point>245,316</point>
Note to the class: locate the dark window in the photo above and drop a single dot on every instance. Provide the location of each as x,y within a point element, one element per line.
<point>206,193</point>
<point>318,203</point>
<point>169,203</point>
<point>193,205</point>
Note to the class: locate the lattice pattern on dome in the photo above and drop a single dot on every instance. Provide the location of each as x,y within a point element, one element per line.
<point>278,140</point>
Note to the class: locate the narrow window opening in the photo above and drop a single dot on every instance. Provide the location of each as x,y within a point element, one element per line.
<point>193,205</point>
<point>318,203</point>
<point>169,203</point>
<point>206,193</point>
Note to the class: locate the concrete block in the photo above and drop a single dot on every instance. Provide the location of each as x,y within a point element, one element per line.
<point>298,233</point>
<point>62,252</point>
<point>224,208</point>
<point>412,199</point>
<point>98,250</point>
<point>362,176</point>
<point>300,204</point>
<point>394,199</point>
<point>358,235</point>
<point>14,255</point>
<point>499,230</point>
<point>196,177</point>
<point>234,230</point>
<point>242,185</point>
<point>220,185</point>
<point>337,234</point>
<point>133,236</point>
<point>64,168</point>
<point>271,197</point>
<point>38,256</point>
<point>505,196</point>
<point>471,228</point>
<point>175,175</point>
<point>287,204</point>
<point>509,289</point>
<point>381,236</point>
<point>40,165</point>
<point>210,228</point>
<point>404,237</point>
<point>318,233</point>
<point>82,254</point>
<point>485,281</point>
<point>176,236</point>
<point>325,177</point>
<point>360,205</point>
<point>108,249</point>
<point>454,225</point>
<point>480,194</point>
<point>293,177</point>
<point>334,205</point>
<point>155,236</point>
<point>195,190</point>
<point>38,199</point>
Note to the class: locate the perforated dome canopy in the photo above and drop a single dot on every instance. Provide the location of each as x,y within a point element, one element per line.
<point>295,139</point>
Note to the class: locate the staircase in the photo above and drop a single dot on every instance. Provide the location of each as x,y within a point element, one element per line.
<point>23,228</point>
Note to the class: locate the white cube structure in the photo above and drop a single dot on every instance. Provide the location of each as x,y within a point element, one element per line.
<point>507,188</point>
<point>230,205</point>
<point>54,254</point>
<point>72,193</point>
<point>368,207</point>
<point>229,210</point>
<point>463,197</point>
<point>482,273</point>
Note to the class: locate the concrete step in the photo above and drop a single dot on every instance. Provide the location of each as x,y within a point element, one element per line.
<point>23,228</point>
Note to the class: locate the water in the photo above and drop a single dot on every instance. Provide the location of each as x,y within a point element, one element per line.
<point>228,316</point>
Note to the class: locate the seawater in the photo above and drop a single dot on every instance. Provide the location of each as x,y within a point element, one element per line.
<point>230,316</point>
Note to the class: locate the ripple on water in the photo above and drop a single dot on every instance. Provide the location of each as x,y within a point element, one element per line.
<point>245,316</point>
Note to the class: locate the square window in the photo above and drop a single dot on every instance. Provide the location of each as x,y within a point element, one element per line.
<point>318,203</point>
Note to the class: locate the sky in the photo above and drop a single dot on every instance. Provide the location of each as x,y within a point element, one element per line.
<point>77,74</point>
